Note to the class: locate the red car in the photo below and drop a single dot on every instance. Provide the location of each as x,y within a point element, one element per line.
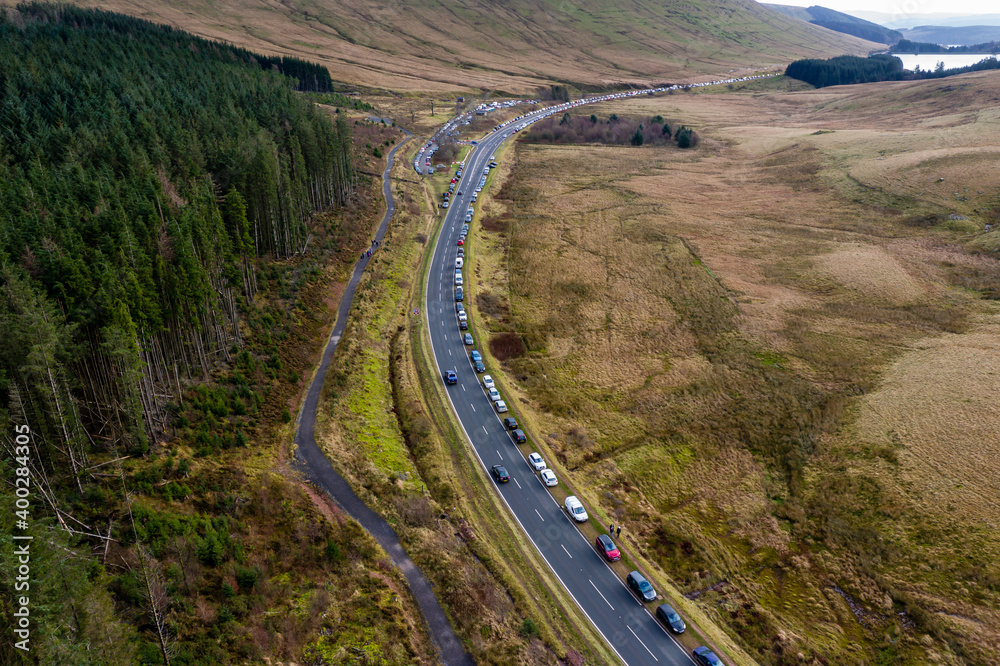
<point>461,241</point>
<point>608,548</point>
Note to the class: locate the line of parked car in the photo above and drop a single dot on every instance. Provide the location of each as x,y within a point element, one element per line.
<point>604,544</point>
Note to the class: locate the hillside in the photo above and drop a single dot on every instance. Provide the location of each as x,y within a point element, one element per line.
<point>428,45</point>
<point>840,22</point>
<point>173,220</point>
<point>953,36</point>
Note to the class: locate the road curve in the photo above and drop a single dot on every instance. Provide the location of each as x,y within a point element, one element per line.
<point>630,630</point>
<point>626,625</point>
<point>317,468</point>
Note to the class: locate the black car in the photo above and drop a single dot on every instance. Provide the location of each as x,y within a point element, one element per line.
<point>450,377</point>
<point>638,584</point>
<point>519,436</point>
<point>478,365</point>
<point>669,617</point>
<point>510,423</point>
<point>500,473</point>
<point>705,657</point>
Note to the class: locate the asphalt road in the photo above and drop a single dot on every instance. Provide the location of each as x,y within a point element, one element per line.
<point>626,625</point>
<point>315,465</point>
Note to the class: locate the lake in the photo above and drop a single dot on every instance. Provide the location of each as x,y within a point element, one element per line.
<point>930,60</point>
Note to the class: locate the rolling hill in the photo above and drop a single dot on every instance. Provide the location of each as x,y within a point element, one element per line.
<point>840,22</point>
<point>516,46</point>
<point>953,36</point>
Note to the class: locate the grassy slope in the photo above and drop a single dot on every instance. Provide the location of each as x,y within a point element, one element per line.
<point>704,317</point>
<point>430,45</point>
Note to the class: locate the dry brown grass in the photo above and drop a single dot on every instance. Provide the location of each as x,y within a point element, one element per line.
<point>708,317</point>
<point>426,47</point>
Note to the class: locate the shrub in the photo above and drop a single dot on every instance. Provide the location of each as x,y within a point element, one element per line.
<point>247,578</point>
<point>504,346</point>
<point>528,628</point>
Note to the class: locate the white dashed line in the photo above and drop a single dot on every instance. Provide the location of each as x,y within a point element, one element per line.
<point>599,592</point>
<point>518,484</point>
<point>463,387</point>
<point>567,552</point>
<point>540,516</point>
<point>473,406</point>
<point>498,453</point>
<point>643,644</point>
<point>485,430</point>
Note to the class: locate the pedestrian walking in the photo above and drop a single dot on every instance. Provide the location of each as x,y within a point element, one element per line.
<point>619,533</point>
<point>611,528</point>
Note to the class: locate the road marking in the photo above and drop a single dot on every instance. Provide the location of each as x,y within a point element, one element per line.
<point>518,484</point>
<point>442,322</point>
<point>498,453</point>
<point>567,552</point>
<point>473,406</point>
<point>449,352</point>
<point>463,387</point>
<point>602,596</point>
<point>445,336</point>
<point>643,644</point>
<point>539,515</point>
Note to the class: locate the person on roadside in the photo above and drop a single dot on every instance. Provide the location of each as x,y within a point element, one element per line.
<point>619,532</point>
<point>611,528</point>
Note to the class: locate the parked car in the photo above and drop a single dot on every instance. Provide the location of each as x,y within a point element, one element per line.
<point>459,307</point>
<point>575,509</point>
<point>488,382</point>
<point>475,355</point>
<point>500,406</point>
<point>450,377</point>
<point>461,241</point>
<point>638,584</point>
<point>519,436</point>
<point>461,252</point>
<point>463,324</point>
<point>549,477</point>
<point>608,548</point>
<point>459,261</point>
<point>669,617</point>
<point>510,423</point>
<point>467,339</point>
<point>493,394</point>
<point>444,205</point>
<point>536,461</point>
<point>479,367</point>
<point>459,294</point>
<point>458,278</point>
<point>704,656</point>
<point>500,473</point>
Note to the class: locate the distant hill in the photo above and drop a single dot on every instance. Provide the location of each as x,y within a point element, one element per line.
<point>515,45</point>
<point>900,21</point>
<point>840,22</point>
<point>953,36</point>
